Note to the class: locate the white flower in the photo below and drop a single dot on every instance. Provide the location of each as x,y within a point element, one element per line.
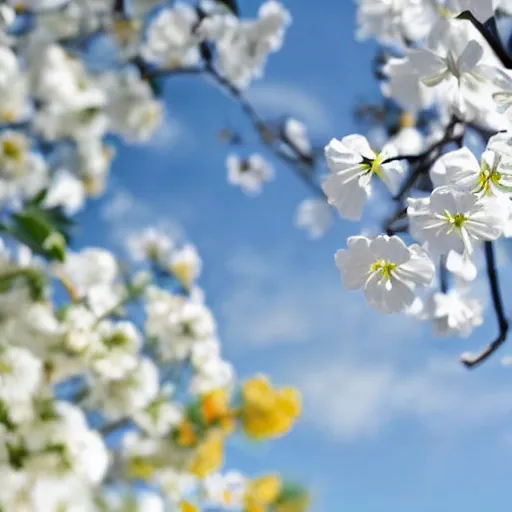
<point>124,397</point>
<point>203,351</point>
<point>147,501</point>
<point>387,269</point>
<point>452,61</point>
<point>453,220</point>
<point>503,96</point>
<point>186,265</point>
<point>461,266</point>
<point>171,42</point>
<point>481,9</point>
<point>93,161</point>
<point>408,141</point>
<point>20,374</point>
<point>297,134</point>
<point>14,154</point>
<point>121,342</point>
<point>88,269</point>
<point>454,314</point>
<point>353,164</point>
<point>490,178</point>
<point>159,418</point>
<point>225,490</point>
<point>81,452</point>
<point>79,325</point>
<point>315,216</point>
<point>249,174</point>
<point>243,46</point>
<point>67,191</point>
<point>152,244</point>
<point>405,87</point>
<point>213,374</point>
<point>175,484</point>
<point>133,111</point>
<point>177,324</point>
<point>394,21</point>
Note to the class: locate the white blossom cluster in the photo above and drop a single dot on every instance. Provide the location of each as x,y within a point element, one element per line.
<point>57,107</point>
<point>58,363</point>
<point>444,57</point>
<point>101,367</point>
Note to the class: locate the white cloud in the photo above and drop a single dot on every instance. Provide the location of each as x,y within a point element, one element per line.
<point>171,133</point>
<point>126,214</point>
<point>280,99</point>
<point>267,303</point>
<point>270,301</point>
<point>349,398</point>
<point>360,371</point>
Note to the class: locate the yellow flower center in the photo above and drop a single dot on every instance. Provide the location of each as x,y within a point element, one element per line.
<point>376,166</point>
<point>384,267</point>
<point>457,221</point>
<point>140,468</point>
<point>12,149</point>
<point>445,12</point>
<point>5,368</point>
<point>488,176</point>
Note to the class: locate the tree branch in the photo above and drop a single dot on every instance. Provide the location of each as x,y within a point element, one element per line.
<point>469,360</point>
<point>493,39</point>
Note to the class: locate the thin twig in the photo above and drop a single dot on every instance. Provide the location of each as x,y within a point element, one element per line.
<point>469,360</point>
<point>268,135</point>
<point>443,275</point>
<point>424,159</point>
<point>390,229</point>
<point>107,429</point>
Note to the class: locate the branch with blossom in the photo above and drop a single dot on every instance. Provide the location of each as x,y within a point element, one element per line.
<point>445,63</point>
<point>114,393</point>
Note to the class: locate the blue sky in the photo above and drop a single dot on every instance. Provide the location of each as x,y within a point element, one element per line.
<point>391,421</point>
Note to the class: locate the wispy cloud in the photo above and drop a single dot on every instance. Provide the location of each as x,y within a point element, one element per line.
<point>350,398</point>
<point>360,371</point>
<point>280,99</point>
<point>171,133</point>
<point>125,214</point>
<point>266,303</point>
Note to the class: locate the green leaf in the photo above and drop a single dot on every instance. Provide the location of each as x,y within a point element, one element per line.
<point>37,229</point>
<point>292,492</point>
<point>34,278</point>
<point>232,5</point>
<point>195,414</point>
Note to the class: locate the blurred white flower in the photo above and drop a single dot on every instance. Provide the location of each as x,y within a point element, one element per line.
<point>315,216</point>
<point>249,174</point>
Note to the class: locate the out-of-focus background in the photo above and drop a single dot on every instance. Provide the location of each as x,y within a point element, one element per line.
<point>391,420</point>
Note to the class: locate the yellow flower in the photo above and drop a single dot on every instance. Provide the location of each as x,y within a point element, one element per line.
<point>215,405</point>
<point>265,489</point>
<point>268,412</point>
<point>295,505</point>
<point>186,506</point>
<point>209,455</point>
<point>186,434</point>
<point>215,409</point>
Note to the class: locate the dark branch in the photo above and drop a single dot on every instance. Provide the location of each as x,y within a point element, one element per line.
<point>493,39</point>
<point>471,361</point>
<point>443,275</point>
